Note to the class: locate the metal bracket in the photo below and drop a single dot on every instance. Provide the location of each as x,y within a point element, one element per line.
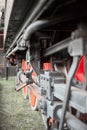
<point>68,87</point>
<point>78,47</point>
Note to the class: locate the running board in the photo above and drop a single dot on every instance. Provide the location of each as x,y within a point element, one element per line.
<point>78,97</point>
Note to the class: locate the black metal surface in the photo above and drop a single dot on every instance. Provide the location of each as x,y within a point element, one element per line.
<point>33,13</point>
<point>18,14</point>
<point>43,9</point>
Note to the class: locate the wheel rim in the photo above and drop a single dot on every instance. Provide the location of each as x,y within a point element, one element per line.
<point>24,90</point>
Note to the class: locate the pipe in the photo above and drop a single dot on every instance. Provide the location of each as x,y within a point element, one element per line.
<point>28,32</point>
<point>20,48</point>
<point>38,10</point>
<point>31,29</point>
<point>13,51</point>
<point>38,25</point>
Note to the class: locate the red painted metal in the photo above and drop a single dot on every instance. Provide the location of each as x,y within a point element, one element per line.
<point>24,65</point>
<point>46,66</point>
<point>79,75</point>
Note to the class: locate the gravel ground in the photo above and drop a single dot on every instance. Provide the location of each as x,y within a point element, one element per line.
<point>15,113</point>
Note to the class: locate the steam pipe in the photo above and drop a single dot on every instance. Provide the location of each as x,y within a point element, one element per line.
<point>13,51</point>
<point>38,25</point>
<point>30,30</point>
<point>20,48</point>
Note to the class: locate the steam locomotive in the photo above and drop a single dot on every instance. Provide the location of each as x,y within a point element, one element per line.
<point>47,41</point>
